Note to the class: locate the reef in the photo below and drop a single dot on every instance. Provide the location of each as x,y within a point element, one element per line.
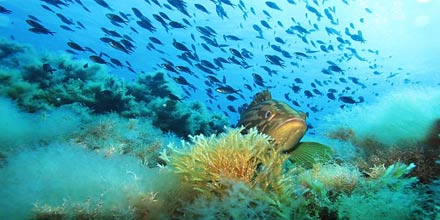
<point>79,143</point>
<point>116,168</point>
<point>402,126</point>
<point>44,81</point>
<point>244,179</point>
<point>371,152</point>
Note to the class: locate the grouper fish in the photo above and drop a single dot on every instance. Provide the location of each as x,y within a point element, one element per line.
<point>285,126</point>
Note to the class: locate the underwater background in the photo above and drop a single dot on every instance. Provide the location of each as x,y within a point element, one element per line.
<point>128,109</point>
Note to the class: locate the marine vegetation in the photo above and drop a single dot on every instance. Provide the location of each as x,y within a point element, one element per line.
<point>231,175</point>
<point>238,176</point>
<point>135,118</point>
<point>226,176</point>
<point>43,81</point>
<point>213,161</point>
<point>411,121</point>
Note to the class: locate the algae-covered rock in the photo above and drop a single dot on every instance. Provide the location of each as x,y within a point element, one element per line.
<point>42,81</point>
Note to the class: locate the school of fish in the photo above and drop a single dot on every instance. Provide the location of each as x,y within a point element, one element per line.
<point>221,51</point>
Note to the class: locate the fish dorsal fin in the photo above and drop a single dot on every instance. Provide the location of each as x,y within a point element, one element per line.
<point>261,97</point>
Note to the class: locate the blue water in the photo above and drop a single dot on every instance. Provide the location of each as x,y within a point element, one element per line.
<point>335,55</point>
<point>399,45</point>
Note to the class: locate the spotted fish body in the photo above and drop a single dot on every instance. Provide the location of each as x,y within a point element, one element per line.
<point>276,119</point>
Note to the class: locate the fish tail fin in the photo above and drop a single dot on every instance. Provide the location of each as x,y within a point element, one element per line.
<point>308,153</point>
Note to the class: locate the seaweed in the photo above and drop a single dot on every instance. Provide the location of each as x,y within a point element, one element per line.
<point>238,176</point>
<point>110,135</point>
<point>68,81</point>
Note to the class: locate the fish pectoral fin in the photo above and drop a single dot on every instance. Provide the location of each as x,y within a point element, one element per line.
<point>309,153</point>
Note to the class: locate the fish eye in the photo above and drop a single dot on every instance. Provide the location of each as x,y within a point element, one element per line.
<point>267,114</point>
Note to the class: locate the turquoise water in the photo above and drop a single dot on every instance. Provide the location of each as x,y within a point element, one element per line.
<point>92,91</point>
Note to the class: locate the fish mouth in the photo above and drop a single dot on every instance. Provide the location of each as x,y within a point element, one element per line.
<point>288,134</point>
